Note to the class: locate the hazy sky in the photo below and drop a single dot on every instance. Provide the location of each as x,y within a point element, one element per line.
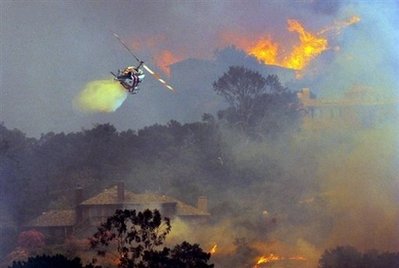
<point>51,49</point>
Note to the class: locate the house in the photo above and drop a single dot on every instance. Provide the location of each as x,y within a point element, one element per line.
<point>88,214</point>
<point>359,107</point>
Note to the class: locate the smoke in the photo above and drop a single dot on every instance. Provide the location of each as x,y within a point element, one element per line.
<point>362,185</point>
<point>333,186</point>
<point>365,53</point>
<point>300,195</point>
<point>100,96</point>
<point>328,188</point>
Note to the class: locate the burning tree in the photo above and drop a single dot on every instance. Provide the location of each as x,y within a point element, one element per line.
<point>138,235</point>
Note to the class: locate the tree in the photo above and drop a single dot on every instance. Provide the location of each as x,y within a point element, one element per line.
<point>350,257</point>
<point>134,234</point>
<point>31,240</point>
<point>240,87</point>
<point>186,255</point>
<point>183,255</point>
<point>340,257</point>
<point>256,103</point>
<point>138,235</point>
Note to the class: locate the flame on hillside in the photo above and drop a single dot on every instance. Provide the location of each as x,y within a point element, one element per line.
<point>213,249</point>
<point>155,45</point>
<point>338,26</point>
<point>309,46</point>
<point>166,58</point>
<point>268,259</point>
<point>265,50</point>
<point>274,258</point>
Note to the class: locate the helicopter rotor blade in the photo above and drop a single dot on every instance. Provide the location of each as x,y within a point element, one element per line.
<point>145,66</point>
<point>158,78</point>
<point>128,49</point>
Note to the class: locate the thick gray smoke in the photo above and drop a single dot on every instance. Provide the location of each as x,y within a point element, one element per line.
<point>365,54</point>
<point>337,182</point>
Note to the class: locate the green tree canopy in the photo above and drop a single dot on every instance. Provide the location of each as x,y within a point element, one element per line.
<point>138,236</point>
<point>259,105</point>
<point>134,233</point>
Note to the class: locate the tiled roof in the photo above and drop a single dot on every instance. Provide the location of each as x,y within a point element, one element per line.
<point>60,218</point>
<point>109,197</point>
<point>55,218</point>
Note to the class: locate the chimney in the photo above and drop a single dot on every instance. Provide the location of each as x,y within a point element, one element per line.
<point>202,203</point>
<point>120,192</point>
<point>78,207</point>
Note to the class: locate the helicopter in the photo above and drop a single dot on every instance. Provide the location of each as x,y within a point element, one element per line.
<point>130,77</point>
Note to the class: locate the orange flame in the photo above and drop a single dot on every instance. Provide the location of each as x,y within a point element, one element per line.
<point>274,258</point>
<point>165,59</point>
<point>310,45</point>
<point>297,258</point>
<point>265,50</point>
<point>213,249</point>
<point>338,26</point>
<point>270,258</point>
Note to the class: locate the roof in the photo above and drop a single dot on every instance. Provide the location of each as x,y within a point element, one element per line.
<point>62,218</point>
<point>109,197</point>
<point>55,218</point>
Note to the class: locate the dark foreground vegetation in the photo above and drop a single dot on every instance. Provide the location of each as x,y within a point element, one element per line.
<point>136,239</point>
<point>350,257</point>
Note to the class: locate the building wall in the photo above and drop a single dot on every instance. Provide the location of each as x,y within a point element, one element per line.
<point>96,214</point>
<point>56,234</point>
